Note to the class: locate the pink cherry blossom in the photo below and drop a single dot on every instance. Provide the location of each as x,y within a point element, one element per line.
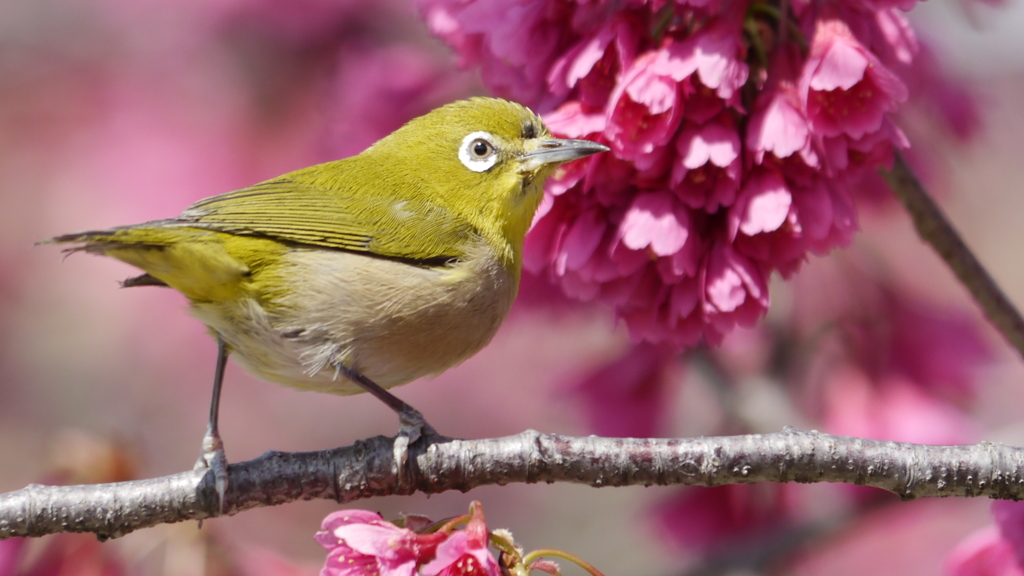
<point>939,92</point>
<point>643,112</point>
<point>576,121</point>
<point>822,217</point>
<point>706,519</point>
<point>628,396</point>
<point>1010,519</point>
<point>376,90</point>
<point>515,42</point>
<point>763,205</point>
<point>846,88</point>
<point>655,222</point>
<point>891,334</point>
<point>734,291</point>
<point>465,553</point>
<point>11,551</point>
<point>63,555</point>
<point>940,348</point>
<point>891,409</point>
<point>983,553</point>
<point>892,38</point>
<point>778,123</point>
<point>714,54</point>
<point>707,172</point>
<point>361,543</point>
<point>596,64</point>
<point>581,240</point>
<point>656,313</point>
<point>760,145</point>
<point>995,550</point>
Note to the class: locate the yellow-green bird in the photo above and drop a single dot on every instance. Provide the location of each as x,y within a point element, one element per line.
<point>363,273</point>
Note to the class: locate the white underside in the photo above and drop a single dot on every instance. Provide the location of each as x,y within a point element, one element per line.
<point>390,321</point>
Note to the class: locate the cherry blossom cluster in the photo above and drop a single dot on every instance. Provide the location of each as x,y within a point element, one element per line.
<point>738,131</point>
<point>996,550</point>
<point>362,543</point>
<point>857,357</point>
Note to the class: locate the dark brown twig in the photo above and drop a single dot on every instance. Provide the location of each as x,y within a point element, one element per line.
<point>934,228</point>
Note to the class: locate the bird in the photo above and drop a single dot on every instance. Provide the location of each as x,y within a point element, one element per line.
<point>359,274</point>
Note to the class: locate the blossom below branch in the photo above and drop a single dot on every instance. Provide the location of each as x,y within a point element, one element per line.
<point>440,464</point>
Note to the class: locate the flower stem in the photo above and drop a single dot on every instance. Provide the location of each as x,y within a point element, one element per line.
<point>933,227</point>
<point>536,554</point>
<point>452,523</point>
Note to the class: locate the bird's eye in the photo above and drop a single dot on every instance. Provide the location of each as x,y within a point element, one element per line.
<point>478,152</point>
<point>481,148</point>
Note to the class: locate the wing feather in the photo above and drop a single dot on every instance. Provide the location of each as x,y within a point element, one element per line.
<point>333,215</point>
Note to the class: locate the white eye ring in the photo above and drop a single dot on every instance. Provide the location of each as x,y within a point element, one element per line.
<point>478,152</point>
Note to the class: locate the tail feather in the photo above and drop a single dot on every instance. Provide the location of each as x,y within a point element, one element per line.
<point>195,262</point>
<point>142,280</point>
<point>137,234</point>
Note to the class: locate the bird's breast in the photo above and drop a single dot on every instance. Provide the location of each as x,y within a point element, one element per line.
<point>391,321</point>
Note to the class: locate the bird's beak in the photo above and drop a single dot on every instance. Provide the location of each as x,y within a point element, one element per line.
<point>555,151</point>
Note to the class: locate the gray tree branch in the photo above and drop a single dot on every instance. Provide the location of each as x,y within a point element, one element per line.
<point>438,464</point>
<point>934,228</point>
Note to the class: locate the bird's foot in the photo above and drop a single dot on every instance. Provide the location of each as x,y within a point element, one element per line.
<point>412,424</point>
<point>214,459</point>
<point>412,427</point>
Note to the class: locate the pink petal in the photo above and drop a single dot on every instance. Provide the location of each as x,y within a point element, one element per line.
<point>343,561</point>
<point>893,409</point>
<point>581,241</point>
<point>655,92</point>
<point>842,66</point>
<point>543,240</point>
<point>11,551</point>
<point>1010,519</point>
<point>706,519</point>
<point>676,61</point>
<point>898,33</point>
<point>718,64</point>
<point>643,113</point>
<point>685,297</point>
<point>983,553</point>
<point>447,553</point>
<point>588,55</point>
<point>370,539</point>
<point>712,53</point>
<point>780,128</point>
<point>888,83</point>
<point>346,517</point>
<point>626,261</point>
<point>628,395</point>
<point>814,210</point>
<point>730,279</point>
<point>572,121</point>
<point>683,264</point>
<point>713,142</point>
<point>653,220</point>
<point>767,203</point>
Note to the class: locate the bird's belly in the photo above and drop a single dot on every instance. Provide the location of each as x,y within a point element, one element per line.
<point>390,321</point>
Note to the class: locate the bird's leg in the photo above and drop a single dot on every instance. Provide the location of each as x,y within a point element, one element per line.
<point>212,456</point>
<point>412,424</point>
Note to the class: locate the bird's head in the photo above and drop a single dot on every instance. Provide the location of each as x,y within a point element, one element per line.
<point>485,159</point>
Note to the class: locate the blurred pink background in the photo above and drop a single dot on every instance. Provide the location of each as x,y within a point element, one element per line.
<point>115,112</point>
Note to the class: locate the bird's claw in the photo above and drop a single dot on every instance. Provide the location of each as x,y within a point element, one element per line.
<point>412,427</point>
<point>214,459</point>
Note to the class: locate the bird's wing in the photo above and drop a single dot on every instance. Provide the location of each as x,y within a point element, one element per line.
<point>414,229</point>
